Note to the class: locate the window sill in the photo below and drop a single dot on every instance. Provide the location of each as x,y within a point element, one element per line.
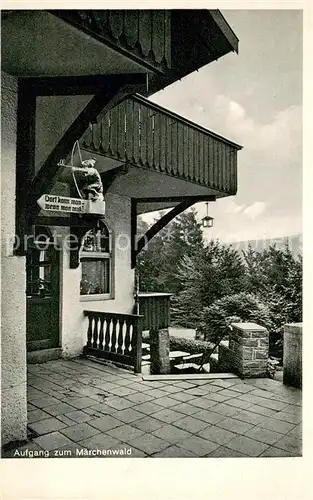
<point>96,297</point>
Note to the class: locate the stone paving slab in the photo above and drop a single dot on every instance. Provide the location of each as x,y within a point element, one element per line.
<point>249,447</point>
<point>191,424</point>
<point>47,425</point>
<point>209,416</point>
<point>182,396</point>
<point>174,452</point>
<point>264,435</point>
<point>148,443</point>
<point>78,416</point>
<point>101,441</point>
<point>148,424</point>
<point>198,445</point>
<point>233,425</point>
<point>87,405</point>
<point>226,410</point>
<point>36,415</point>
<point>267,412</point>
<point>45,401</point>
<point>171,433</point>
<point>149,408</point>
<point>203,403</point>
<point>168,415</point>
<point>125,433</point>
<point>66,420</point>
<point>105,423</point>
<point>128,415</point>
<point>224,452</point>
<point>290,444</point>
<point>78,432</point>
<point>186,408</point>
<point>217,435</point>
<point>272,451</point>
<point>52,441</point>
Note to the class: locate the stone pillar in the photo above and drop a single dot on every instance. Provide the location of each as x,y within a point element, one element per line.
<point>159,351</point>
<point>293,354</point>
<point>249,347</point>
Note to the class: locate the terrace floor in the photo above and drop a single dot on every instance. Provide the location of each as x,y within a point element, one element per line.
<point>84,408</point>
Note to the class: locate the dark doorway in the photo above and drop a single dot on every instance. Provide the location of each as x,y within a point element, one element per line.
<point>42,292</point>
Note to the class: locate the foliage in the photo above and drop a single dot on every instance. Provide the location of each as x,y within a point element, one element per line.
<point>215,271</point>
<point>187,345</point>
<point>214,284</point>
<point>275,275</point>
<point>240,307</point>
<point>157,264</point>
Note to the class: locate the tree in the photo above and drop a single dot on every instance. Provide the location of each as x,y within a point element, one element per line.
<point>210,274</point>
<point>157,264</point>
<point>276,276</point>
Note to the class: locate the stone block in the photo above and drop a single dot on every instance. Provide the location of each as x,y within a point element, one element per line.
<point>260,354</point>
<point>263,342</point>
<point>292,360</point>
<point>159,351</point>
<point>246,328</point>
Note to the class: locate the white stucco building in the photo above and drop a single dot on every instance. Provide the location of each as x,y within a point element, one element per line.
<point>72,76</point>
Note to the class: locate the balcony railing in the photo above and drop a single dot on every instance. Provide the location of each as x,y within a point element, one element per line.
<point>115,337</point>
<point>143,134</point>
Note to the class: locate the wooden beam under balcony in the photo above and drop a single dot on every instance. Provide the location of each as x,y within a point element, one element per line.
<point>79,85</point>
<point>137,246</point>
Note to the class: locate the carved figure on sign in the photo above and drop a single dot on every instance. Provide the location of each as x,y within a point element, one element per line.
<point>89,180</point>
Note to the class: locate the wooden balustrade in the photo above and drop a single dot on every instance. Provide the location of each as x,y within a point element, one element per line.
<point>143,134</point>
<point>115,336</point>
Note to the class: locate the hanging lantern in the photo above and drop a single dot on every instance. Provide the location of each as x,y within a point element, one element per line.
<point>207,221</point>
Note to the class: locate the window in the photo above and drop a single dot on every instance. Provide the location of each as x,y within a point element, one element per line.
<point>39,261</point>
<point>96,263</point>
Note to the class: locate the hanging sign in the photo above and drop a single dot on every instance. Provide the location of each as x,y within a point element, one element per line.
<point>66,204</point>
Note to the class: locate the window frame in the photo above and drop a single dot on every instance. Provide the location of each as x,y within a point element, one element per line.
<point>100,256</point>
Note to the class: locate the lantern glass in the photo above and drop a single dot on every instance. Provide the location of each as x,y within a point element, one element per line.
<point>207,221</point>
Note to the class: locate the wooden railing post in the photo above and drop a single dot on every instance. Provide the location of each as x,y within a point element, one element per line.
<point>138,346</point>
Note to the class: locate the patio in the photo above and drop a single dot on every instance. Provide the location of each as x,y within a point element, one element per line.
<point>84,408</point>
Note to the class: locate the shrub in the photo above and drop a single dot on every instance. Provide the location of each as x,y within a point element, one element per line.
<point>188,345</point>
<point>240,307</point>
<point>182,344</point>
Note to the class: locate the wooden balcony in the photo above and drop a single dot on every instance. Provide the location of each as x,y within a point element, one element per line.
<point>115,337</point>
<point>142,134</point>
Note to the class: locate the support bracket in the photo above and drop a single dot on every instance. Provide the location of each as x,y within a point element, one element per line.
<point>137,246</point>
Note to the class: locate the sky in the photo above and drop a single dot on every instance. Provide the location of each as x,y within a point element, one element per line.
<point>254,99</point>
